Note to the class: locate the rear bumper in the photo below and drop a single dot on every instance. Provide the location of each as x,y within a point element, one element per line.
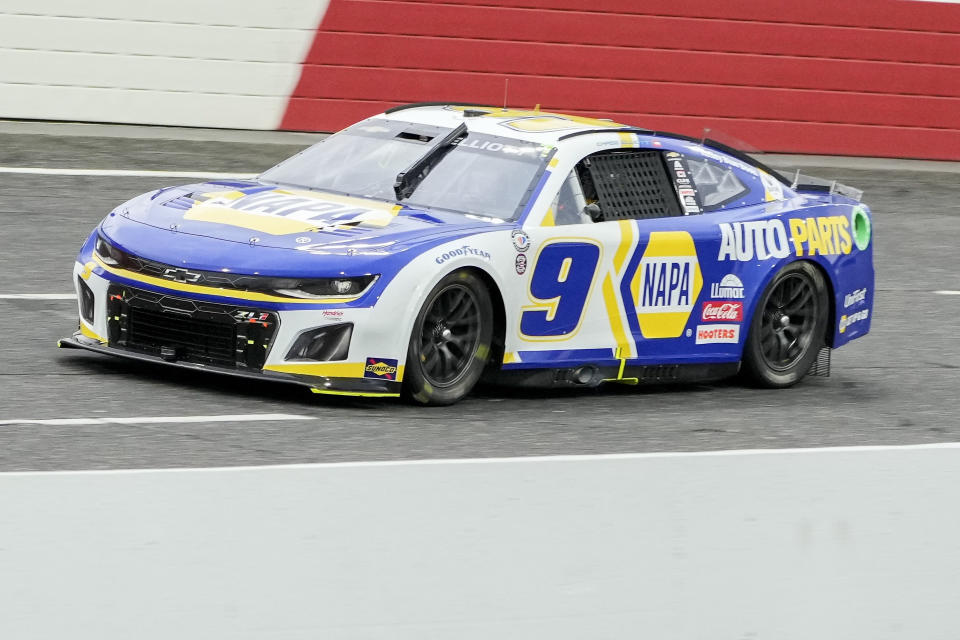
<point>365,387</point>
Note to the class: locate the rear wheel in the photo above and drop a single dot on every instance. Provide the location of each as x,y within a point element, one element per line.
<point>788,327</point>
<point>450,341</point>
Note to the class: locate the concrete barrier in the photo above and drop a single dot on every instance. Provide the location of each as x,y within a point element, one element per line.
<point>197,63</point>
<point>842,543</point>
<point>878,78</point>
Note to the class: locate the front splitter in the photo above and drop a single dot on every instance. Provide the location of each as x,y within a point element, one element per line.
<point>362,387</point>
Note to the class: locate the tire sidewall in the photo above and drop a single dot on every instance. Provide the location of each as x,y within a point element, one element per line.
<point>755,365</point>
<point>416,387</point>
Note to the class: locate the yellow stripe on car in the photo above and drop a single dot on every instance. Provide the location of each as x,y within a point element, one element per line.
<point>613,313</point>
<point>610,298</point>
<point>86,331</point>
<point>627,139</point>
<point>214,291</point>
<point>326,369</point>
<point>356,394</point>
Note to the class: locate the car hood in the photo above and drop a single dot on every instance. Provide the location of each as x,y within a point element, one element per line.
<point>251,227</point>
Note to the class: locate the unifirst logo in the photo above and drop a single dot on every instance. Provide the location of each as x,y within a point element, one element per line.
<point>856,297</point>
<point>766,239</point>
<point>666,284</point>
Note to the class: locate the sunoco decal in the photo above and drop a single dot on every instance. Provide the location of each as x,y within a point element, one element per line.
<point>383,368</point>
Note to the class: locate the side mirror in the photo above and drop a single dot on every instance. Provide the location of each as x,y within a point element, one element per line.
<point>593,210</point>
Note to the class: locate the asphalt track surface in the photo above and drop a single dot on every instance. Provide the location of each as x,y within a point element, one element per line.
<point>899,385</point>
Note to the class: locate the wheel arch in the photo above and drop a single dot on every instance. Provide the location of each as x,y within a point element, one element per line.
<point>831,299</point>
<point>499,315</point>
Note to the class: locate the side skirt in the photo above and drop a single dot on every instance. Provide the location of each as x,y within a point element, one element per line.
<point>592,376</point>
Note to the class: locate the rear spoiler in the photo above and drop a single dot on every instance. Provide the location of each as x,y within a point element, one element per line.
<point>819,185</point>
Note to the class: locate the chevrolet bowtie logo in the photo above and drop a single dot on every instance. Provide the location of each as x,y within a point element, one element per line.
<point>181,275</point>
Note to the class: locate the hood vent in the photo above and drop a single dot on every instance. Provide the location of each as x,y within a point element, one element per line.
<point>182,202</point>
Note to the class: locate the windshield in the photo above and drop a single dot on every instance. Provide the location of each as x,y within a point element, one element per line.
<point>483,175</point>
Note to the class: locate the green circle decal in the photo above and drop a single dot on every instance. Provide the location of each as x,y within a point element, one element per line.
<point>861,228</point>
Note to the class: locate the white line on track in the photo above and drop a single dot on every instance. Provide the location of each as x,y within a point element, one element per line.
<point>123,173</point>
<point>578,458</point>
<point>946,292</point>
<point>242,417</point>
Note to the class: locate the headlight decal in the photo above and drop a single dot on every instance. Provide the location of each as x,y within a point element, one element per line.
<point>266,288</point>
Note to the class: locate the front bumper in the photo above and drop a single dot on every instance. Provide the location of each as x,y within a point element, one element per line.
<point>365,387</point>
<point>257,352</point>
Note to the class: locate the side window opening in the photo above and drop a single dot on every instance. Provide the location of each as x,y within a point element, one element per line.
<point>568,206</point>
<point>627,185</point>
<point>716,184</point>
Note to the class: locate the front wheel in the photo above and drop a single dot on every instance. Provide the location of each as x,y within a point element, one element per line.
<point>788,327</point>
<point>450,341</point>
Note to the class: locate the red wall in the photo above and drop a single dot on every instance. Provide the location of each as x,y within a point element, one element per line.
<point>868,77</point>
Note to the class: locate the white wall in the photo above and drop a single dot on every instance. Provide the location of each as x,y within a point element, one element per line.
<point>178,62</point>
<point>827,544</point>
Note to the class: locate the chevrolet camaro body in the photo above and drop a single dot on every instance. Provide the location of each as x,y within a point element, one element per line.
<point>606,253</point>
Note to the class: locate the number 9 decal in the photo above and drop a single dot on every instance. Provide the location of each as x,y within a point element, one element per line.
<point>560,286</point>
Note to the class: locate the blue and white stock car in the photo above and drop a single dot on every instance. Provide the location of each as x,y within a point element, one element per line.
<point>420,249</point>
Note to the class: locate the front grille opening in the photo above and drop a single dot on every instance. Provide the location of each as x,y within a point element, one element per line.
<point>191,339</point>
<point>180,329</point>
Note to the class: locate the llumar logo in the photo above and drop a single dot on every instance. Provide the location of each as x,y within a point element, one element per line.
<point>380,368</point>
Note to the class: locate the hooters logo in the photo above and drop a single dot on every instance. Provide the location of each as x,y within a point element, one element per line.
<point>718,334</point>
<point>722,311</point>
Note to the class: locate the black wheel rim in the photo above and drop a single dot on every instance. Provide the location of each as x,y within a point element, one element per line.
<point>449,335</point>
<point>789,321</point>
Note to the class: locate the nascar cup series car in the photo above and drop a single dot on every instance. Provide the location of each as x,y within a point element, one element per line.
<point>422,248</point>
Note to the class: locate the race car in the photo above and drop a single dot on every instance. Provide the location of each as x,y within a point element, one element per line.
<point>431,245</point>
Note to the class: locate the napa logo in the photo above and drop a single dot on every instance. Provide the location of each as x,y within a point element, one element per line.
<point>666,284</point>
<point>281,212</point>
<point>383,368</point>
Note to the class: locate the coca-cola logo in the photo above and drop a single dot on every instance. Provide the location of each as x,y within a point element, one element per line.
<point>722,311</point>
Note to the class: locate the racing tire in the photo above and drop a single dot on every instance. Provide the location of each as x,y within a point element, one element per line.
<point>788,327</point>
<point>450,341</point>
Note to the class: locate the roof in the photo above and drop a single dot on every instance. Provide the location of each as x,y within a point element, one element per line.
<point>533,125</point>
<point>543,127</point>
